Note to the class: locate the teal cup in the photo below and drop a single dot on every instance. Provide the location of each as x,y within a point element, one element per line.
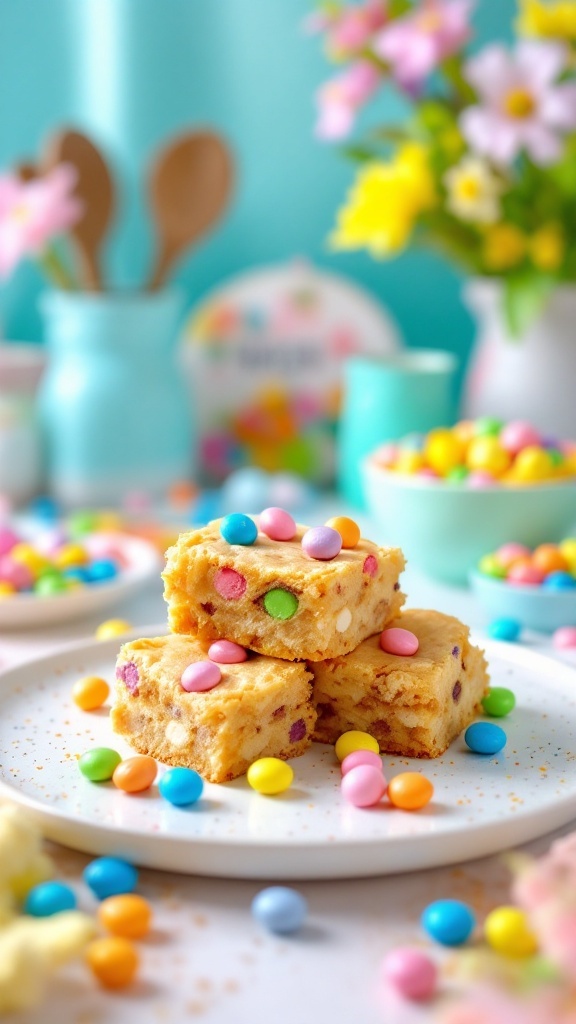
<point>386,398</point>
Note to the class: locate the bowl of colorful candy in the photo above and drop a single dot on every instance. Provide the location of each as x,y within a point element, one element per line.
<point>449,496</point>
<point>534,587</point>
<point>47,576</point>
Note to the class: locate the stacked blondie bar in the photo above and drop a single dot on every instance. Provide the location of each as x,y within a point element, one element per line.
<point>306,662</point>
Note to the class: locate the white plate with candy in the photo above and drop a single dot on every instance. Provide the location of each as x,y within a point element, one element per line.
<point>481,803</point>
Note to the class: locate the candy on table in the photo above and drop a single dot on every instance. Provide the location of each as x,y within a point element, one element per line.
<point>128,915</point>
<point>181,787</point>
<point>110,876</point>
<point>358,757</point>
<point>410,791</point>
<point>485,738</point>
<point>504,629</point>
<point>498,702</point>
<point>280,909</point>
<point>483,453</point>
<point>363,785</point>
<point>49,898</point>
<point>99,763</point>
<point>449,922</point>
<point>114,961</point>
<point>306,598</point>
<point>112,628</point>
<point>90,692</point>
<point>270,775</point>
<point>507,930</point>
<point>354,740</point>
<point>135,774</point>
<point>564,638</point>
<point>411,972</point>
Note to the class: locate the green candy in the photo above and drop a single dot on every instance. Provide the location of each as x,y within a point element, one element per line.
<point>487,426</point>
<point>490,566</point>
<point>457,475</point>
<point>280,604</point>
<point>82,522</point>
<point>498,702</point>
<point>50,583</point>
<point>99,764</point>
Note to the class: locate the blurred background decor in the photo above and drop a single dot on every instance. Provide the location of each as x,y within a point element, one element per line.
<point>481,169</point>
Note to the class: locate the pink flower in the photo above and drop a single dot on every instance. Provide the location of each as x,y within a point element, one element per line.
<point>417,43</point>
<point>349,30</point>
<point>34,212</point>
<point>521,108</point>
<point>340,98</point>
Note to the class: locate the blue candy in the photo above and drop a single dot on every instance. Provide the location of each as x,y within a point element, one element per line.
<point>280,909</point>
<point>110,876</point>
<point>237,528</point>
<point>101,570</point>
<point>449,922</point>
<point>559,580</point>
<point>504,629</point>
<point>49,898</point>
<point>485,738</point>
<point>181,786</point>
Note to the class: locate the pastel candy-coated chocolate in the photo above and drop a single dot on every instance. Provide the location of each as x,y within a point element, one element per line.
<point>200,676</point>
<point>354,739</point>
<point>280,603</point>
<point>347,528</point>
<point>135,774</point>
<point>399,641</point>
<point>49,898</point>
<point>322,542</point>
<point>99,763</point>
<point>181,786</point>
<point>280,909</point>
<point>485,738</point>
<point>363,786</point>
<point>277,524</point>
<point>498,702</point>
<point>507,930</point>
<point>236,528</point>
<point>269,775</point>
<point>480,478</point>
<point>504,629</point>
<point>411,972</point>
<point>358,757</point>
<point>410,791</point>
<point>525,574</point>
<point>231,585</point>
<point>511,552</point>
<point>110,876</point>
<point>226,652</point>
<point>559,580</point>
<point>565,637</point>
<point>449,922</point>
<point>517,435</point>
<point>16,573</point>
<point>8,540</point>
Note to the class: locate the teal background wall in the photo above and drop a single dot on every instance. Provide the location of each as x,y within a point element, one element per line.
<point>131,72</point>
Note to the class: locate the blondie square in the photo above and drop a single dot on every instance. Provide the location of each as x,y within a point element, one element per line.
<point>273,598</point>
<point>414,706</point>
<point>261,708</point>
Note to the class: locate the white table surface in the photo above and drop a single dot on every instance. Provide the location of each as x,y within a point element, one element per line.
<point>207,960</point>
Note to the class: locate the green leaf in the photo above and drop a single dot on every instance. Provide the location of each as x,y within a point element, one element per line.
<point>526,293</point>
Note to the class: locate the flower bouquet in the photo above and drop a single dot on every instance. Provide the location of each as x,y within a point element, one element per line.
<point>483,167</point>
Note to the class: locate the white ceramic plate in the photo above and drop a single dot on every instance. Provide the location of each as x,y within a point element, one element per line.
<point>141,562</point>
<point>481,804</point>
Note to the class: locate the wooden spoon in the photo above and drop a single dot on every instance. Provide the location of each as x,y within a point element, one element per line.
<point>95,189</point>
<point>189,186</point>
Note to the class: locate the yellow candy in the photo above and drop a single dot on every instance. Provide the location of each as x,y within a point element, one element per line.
<point>90,692</point>
<point>488,455</point>
<point>464,431</point>
<point>508,932</point>
<point>347,528</point>
<point>568,549</point>
<point>6,589</point>
<point>270,775</point>
<point>532,465</point>
<point>71,555</point>
<point>409,462</point>
<point>355,740</point>
<point>111,628</point>
<point>27,555</point>
<point>443,450</point>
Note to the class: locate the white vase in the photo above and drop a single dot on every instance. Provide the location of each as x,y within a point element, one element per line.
<point>529,378</point>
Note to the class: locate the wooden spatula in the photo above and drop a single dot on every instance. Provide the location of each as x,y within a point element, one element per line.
<point>95,189</point>
<point>189,186</point>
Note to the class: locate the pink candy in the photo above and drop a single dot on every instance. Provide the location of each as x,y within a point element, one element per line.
<point>508,553</point>
<point>399,641</point>
<point>518,435</point>
<point>277,524</point>
<point>525,574</point>
<point>226,652</point>
<point>322,542</point>
<point>8,540</point>
<point>358,757</point>
<point>480,478</point>
<point>16,573</point>
<point>565,637</point>
<point>200,676</point>
<point>230,584</point>
<point>370,565</point>
<point>364,785</point>
<point>412,973</point>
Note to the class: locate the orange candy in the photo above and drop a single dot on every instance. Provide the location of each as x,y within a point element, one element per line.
<point>347,528</point>
<point>135,774</point>
<point>548,558</point>
<point>128,916</point>
<point>90,692</point>
<point>410,791</point>
<point>114,961</point>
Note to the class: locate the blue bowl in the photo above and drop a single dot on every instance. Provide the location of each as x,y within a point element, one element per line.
<point>444,529</point>
<point>533,607</point>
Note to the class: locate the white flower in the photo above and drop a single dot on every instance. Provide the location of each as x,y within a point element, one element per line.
<point>474,191</point>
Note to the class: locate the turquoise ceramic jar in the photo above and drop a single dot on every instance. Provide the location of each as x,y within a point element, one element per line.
<point>114,407</point>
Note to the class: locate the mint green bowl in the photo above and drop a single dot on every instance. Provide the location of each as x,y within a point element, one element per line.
<point>444,529</point>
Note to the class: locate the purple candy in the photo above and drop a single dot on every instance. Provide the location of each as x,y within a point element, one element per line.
<point>298,731</point>
<point>322,542</point>
<point>128,673</point>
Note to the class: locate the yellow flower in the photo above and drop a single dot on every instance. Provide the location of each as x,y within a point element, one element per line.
<point>547,247</point>
<point>555,20</point>
<point>474,191</point>
<point>385,203</point>
<point>504,247</point>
